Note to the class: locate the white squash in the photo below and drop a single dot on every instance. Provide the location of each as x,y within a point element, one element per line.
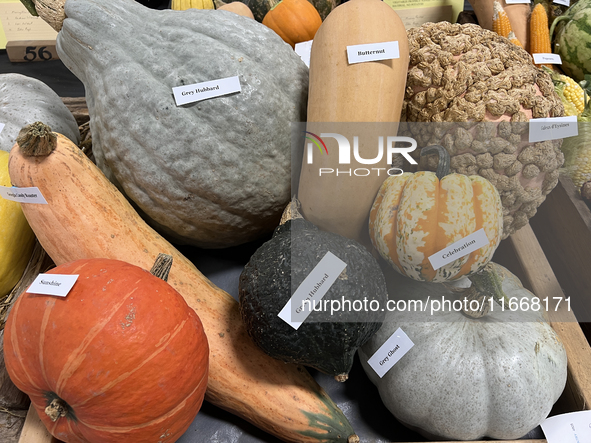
<point>464,379</point>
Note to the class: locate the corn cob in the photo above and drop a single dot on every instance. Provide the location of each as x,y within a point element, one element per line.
<point>514,39</point>
<point>501,24</point>
<point>539,40</point>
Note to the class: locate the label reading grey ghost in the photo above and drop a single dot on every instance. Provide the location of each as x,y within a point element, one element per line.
<point>574,427</point>
<point>311,290</point>
<point>304,50</point>
<point>372,52</point>
<point>202,91</point>
<point>552,128</point>
<point>459,249</point>
<point>22,195</point>
<point>390,352</point>
<point>52,284</point>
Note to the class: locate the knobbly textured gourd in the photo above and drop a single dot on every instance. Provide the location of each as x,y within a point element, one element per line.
<point>490,89</point>
<point>121,358</point>
<point>26,100</point>
<point>328,339</point>
<point>87,217</point>
<point>214,173</point>
<point>464,379</point>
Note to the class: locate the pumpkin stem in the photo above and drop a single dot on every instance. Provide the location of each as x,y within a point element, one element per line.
<point>487,285</point>
<point>36,140</point>
<point>162,266</point>
<point>353,438</point>
<point>291,211</point>
<point>444,159</point>
<point>56,409</point>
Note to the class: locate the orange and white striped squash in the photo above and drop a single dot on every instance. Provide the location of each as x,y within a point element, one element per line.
<point>416,215</point>
<point>121,358</point>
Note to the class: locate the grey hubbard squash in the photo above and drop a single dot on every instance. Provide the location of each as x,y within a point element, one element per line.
<point>466,378</point>
<point>215,173</point>
<point>26,100</point>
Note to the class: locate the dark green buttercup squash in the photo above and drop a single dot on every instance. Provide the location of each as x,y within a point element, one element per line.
<point>326,341</point>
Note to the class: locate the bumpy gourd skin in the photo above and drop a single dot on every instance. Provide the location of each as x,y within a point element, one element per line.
<point>25,100</point>
<point>325,341</point>
<point>214,173</point>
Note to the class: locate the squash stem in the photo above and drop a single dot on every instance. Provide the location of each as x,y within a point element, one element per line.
<point>443,165</point>
<point>162,266</point>
<point>36,140</point>
<point>30,5</point>
<point>486,287</point>
<point>56,409</point>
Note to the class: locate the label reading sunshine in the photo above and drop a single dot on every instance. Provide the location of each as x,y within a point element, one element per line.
<point>53,284</point>
<point>312,290</point>
<point>372,52</point>
<point>22,195</point>
<point>459,249</point>
<point>204,90</point>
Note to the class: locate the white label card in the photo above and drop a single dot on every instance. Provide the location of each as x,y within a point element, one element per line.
<point>372,52</point>
<point>312,290</point>
<point>459,249</point>
<point>304,49</point>
<point>390,352</point>
<point>22,195</point>
<point>202,91</point>
<point>553,128</point>
<point>547,59</point>
<point>574,427</point>
<point>1,127</point>
<point>517,2</point>
<point>52,284</point>
<point>562,2</point>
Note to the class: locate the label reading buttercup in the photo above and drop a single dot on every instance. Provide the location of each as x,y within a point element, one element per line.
<point>459,249</point>
<point>22,195</point>
<point>204,90</point>
<point>574,427</point>
<point>304,50</point>
<point>547,59</point>
<point>390,352</point>
<point>552,128</point>
<point>372,52</point>
<point>52,284</point>
<point>312,290</point>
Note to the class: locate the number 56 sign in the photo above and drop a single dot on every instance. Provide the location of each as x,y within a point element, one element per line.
<point>31,51</point>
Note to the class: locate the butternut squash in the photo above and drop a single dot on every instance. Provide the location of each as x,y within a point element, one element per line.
<point>370,92</point>
<point>86,217</point>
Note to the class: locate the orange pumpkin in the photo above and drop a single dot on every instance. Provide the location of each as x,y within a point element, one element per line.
<point>295,21</point>
<point>121,358</point>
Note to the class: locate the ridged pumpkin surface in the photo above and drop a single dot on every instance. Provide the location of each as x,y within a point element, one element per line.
<point>215,173</point>
<point>416,215</point>
<point>123,350</point>
<point>16,237</point>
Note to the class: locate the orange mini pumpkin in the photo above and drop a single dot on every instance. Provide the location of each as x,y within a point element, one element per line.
<point>121,358</point>
<point>295,21</point>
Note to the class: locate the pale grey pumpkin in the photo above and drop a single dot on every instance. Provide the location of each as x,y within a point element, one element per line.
<point>214,173</point>
<point>464,379</point>
<point>25,100</point>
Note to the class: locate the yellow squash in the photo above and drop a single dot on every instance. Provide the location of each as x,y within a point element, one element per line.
<point>16,237</point>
